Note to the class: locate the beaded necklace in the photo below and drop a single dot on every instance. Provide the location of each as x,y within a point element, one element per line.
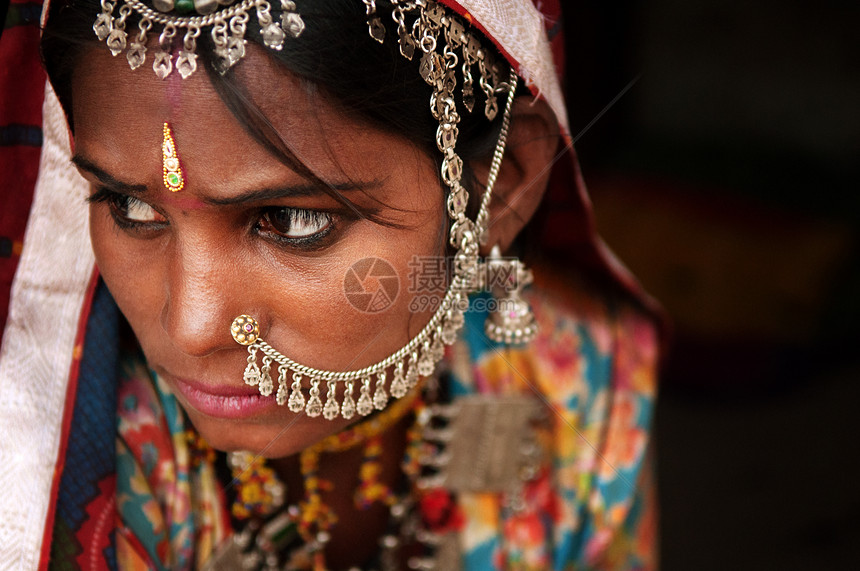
<point>294,537</point>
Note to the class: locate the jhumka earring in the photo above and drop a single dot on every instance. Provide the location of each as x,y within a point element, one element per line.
<point>174,179</point>
<point>511,320</point>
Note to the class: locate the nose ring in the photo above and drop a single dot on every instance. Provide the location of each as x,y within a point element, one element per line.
<point>245,330</point>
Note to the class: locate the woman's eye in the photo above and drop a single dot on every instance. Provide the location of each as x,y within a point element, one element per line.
<point>127,211</point>
<point>137,211</point>
<point>295,223</point>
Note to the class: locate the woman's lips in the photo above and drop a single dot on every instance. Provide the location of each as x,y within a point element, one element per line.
<point>229,402</point>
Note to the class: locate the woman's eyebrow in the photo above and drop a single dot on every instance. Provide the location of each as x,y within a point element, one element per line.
<point>107,179</point>
<point>258,195</point>
<point>291,191</point>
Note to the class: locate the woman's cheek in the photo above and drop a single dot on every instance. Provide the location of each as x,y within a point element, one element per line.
<point>126,265</point>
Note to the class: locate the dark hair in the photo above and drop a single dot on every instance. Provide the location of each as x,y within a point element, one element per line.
<point>334,52</point>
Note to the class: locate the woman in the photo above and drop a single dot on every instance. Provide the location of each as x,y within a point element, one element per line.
<point>308,193</point>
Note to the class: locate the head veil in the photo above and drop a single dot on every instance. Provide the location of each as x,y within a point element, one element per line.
<point>55,280</point>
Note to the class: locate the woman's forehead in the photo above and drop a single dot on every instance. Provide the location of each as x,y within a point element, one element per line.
<point>119,115</point>
<point>106,91</point>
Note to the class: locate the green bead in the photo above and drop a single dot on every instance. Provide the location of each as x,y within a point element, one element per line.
<point>184,6</point>
<point>173,179</point>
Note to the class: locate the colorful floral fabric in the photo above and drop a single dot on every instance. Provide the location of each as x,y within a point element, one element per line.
<point>593,365</point>
<point>133,494</point>
<point>167,497</point>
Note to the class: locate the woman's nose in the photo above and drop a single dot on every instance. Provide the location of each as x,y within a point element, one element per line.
<point>201,300</point>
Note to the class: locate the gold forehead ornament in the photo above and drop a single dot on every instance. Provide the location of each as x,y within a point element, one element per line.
<point>174,179</point>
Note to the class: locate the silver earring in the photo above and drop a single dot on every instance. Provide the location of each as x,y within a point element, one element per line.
<point>511,319</point>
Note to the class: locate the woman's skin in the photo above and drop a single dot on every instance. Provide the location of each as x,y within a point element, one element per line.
<point>182,265</point>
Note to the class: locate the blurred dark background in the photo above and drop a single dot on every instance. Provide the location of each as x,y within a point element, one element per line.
<point>726,178</point>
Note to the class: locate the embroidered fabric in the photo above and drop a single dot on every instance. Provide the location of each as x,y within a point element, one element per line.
<point>517,28</point>
<point>49,290</point>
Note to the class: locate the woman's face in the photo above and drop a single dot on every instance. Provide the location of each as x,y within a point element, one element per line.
<point>247,235</point>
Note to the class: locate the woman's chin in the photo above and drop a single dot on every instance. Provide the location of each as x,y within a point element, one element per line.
<point>270,439</point>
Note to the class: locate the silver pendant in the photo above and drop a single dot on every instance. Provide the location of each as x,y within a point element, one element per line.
<point>186,63</point>
<point>229,55</point>
<point>273,36</point>
<point>293,23</point>
<point>136,55</point>
<point>163,64</point>
<point>468,96</point>
<point>407,45</point>
<point>490,443</point>
<point>377,29</point>
<point>235,50</point>
<point>103,25</point>
<point>492,108</point>
<point>116,41</point>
